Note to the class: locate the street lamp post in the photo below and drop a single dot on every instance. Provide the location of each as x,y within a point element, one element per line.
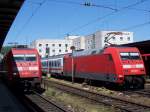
<point>72,62</point>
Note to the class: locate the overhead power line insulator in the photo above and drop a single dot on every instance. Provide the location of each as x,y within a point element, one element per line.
<point>87,4</point>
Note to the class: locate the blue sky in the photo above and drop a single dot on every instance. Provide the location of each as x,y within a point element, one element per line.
<point>56,18</point>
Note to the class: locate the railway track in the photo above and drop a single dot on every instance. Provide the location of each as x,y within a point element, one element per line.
<point>143,93</point>
<point>120,103</point>
<point>38,103</point>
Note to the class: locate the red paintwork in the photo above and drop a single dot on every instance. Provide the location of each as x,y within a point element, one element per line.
<point>25,73</point>
<point>146,59</point>
<point>101,64</point>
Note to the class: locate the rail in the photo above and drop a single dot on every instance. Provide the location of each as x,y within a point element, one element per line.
<point>38,103</point>
<point>116,102</point>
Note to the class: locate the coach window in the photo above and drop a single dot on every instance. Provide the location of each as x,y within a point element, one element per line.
<point>55,64</point>
<point>49,64</point>
<point>58,63</point>
<point>52,63</point>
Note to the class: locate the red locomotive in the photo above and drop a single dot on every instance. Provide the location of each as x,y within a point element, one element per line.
<point>22,65</point>
<point>117,65</point>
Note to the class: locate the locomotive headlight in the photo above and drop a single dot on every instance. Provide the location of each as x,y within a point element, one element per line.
<point>33,68</point>
<point>120,76</point>
<point>126,66</point>
<point>14,73</point>
<point>139,66</point>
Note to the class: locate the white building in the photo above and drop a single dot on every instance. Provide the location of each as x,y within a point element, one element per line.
<point>50,47</point>
<point>101,39</point>
<point>79,43</point>
<point>97,40</point>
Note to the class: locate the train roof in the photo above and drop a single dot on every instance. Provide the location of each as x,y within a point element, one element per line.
<point>96,51</point>
<point>23,48</point>
<point>87,52</point>
<point>56,56</point>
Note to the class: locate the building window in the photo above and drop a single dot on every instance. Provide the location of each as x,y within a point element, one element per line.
<point>128,38</point>
<point>59,45</point>
<point>53,50</point>
<point>59,50</point>
<point>113,38</point>
<point>40,45</point>
<point>53,45</point>
<point>121,38</point>
<point>46,45</point>
<point>66,45</point>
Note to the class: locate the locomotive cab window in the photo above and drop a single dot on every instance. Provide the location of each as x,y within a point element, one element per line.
<point>19,57</point>
<point>124,56</point>
<point>130,56</point>
<point>22,57</point>
<point>135,56</point>
<point>31,57</point>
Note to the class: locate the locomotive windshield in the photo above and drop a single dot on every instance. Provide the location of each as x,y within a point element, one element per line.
<point>30,57</point>
<point>18,58</point>
<point>130,56</point>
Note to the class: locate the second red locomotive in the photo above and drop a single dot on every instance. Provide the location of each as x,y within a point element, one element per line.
<point>118,65</point>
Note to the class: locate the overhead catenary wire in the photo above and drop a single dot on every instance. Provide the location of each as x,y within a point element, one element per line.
<point>107,15</point>
<point>30,18</point>
<point>137,26</point>
<point>60,1</point>
<point>88,4</point>
<point>78,3</point>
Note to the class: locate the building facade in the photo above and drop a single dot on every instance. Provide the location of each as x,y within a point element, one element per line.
<point>50,47</point>
<point>79,43</point>
<point>100,39</point>
<point>97,40</point>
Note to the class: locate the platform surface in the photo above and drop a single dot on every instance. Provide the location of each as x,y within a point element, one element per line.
<point>8,103</point>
